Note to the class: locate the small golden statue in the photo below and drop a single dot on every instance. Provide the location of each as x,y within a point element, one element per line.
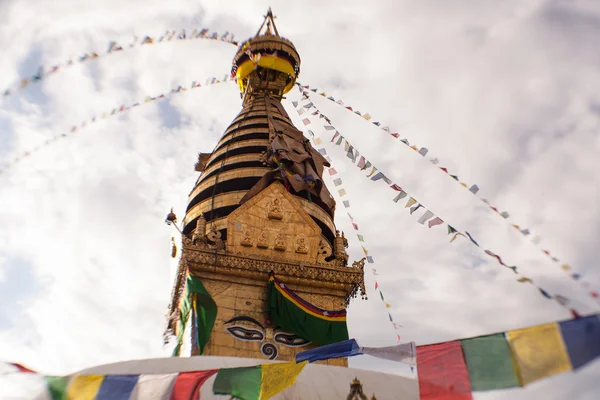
<point>276,210</point>
<point>263,240</point>
<point>247,237</point>
<point>301,246</point>
<point>280,242</point>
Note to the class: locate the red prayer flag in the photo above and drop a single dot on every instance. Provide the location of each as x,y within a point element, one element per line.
<point>444,169</point>
<point>21,368</point>
<point>595,295</point>
<point>376,285</point>
<point>443,373</point>
<point>187,386</point>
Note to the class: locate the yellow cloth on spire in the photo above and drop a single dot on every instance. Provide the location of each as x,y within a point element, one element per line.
<point>538,352</point>
<point>265,61</point>
<point>278,377</point>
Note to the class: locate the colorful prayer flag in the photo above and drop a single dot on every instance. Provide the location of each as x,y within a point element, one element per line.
<point>582,339</point>
<point>435,221</point>
<point>306,320</point>
<point>347,348</point>
<point>538,352</point>
<point>257,383</point>
<point>405,353</point>
<point>442,372</point>
<point>489,362</point>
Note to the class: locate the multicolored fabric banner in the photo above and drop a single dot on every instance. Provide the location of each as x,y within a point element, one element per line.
<point>113,47</point>
<point>115,111</point>
<point>415,205</point>
<point>294,314</point>
<point>474,189</point>
<point>257,383</point>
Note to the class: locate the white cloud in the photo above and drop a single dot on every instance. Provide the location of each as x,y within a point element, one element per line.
<point>505,94</point>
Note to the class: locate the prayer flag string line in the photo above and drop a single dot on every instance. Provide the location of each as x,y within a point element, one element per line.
<point>339,185</point>
<point>115,111</point>
<point>114,47</point>
<point>414,205</point>
<point>474,189</point>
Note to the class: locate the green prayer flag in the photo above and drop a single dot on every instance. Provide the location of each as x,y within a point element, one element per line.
<point>196,296</point>
<point>296,315</point>
<point>241,383</point>
<point>57,387</point>
<point>451,230</point>
<point>489,362</point>
<point>381,295</point>
<point>205,309</point>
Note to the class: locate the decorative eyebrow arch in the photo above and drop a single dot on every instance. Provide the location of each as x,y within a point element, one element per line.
<point>246,319</point>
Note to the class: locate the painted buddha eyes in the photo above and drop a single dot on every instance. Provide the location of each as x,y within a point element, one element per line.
<point>288,339</point>
<point>245,333</point>
<point>256,332</point>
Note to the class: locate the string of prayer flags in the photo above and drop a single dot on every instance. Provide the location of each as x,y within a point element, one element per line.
<point>474,189</point>
<point>427,213</point>
<point>113,47</point>
<point>338,182</point>
<point>508,359</point>
<point>104,115</point>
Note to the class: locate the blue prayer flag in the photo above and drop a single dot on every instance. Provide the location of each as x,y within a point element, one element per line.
<point>118,387</point>
<point>347,348</point>
<point>582,338</point>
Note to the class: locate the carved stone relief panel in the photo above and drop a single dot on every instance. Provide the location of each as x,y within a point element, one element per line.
<point>273,224</point>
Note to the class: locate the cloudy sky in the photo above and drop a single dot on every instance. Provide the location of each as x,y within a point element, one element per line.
<point>505,94</point>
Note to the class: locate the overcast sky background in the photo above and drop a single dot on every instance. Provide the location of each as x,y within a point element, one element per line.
<point>505,93</point>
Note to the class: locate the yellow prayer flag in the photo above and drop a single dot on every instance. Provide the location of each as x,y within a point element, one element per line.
<point>372,172</point>
<point>318,141</point>
<point>455,236</point>
<point>410,202</point>
<point>84,387</point>
<point>387,305</point>
<point>524,279</point>
<point>342,192</point>
<point>464,185</point>
<point>365,251</point>
<point>565,267</point>
<point>538,352</point>
<point>414,147</point>
<point>278,377</point>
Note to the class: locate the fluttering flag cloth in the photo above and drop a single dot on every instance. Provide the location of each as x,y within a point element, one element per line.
<point>405,353</point>
<point>154,387</point>
<point>117,387</point>
<point>489,362</point>
<point>538,352</point>
<point>84,387</point>
<point>187,386</point>
<point>205,310</point>
<point>257,383</point>
<point>294,314</point>
<point>582,339</point>
<point>347,348</point>
<point>442,372</point>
